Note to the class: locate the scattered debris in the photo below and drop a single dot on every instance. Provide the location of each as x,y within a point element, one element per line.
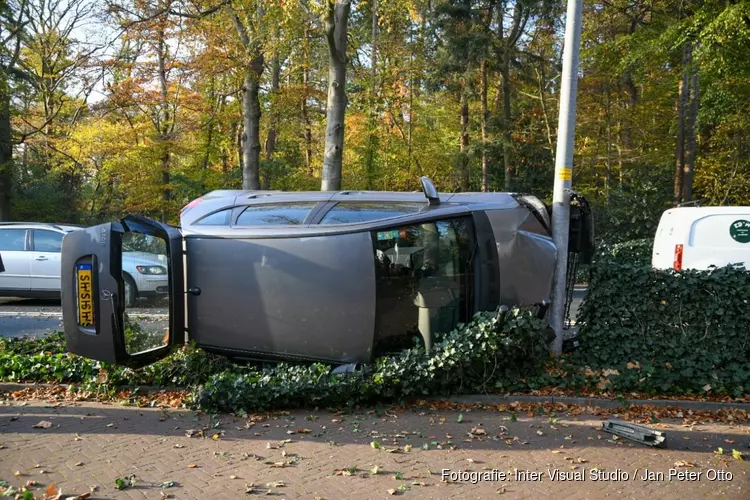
<point>127,482</point>
<point>637,433</point>
<point>44,424</point>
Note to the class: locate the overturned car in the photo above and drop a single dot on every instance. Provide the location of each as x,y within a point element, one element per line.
<point>314,276</point>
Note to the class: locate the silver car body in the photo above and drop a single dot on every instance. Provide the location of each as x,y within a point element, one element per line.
<point>31,254</point>
<point>324,276</point>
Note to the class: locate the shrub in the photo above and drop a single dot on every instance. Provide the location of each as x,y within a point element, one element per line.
<point>666,331</point>
<point>471,357</point>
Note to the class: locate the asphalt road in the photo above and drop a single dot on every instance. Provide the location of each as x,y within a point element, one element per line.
<point>37,318</point>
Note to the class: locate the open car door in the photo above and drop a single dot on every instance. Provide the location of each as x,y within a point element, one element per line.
<point>123,291</point>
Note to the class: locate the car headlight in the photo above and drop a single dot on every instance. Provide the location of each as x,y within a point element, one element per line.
<point>151,269</point>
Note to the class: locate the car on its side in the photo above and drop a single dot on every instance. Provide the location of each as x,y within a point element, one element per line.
<point>336,277</point>
<point>31,254</point>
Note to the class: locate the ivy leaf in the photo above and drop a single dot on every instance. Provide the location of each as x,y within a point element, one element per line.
<point>460,418</point>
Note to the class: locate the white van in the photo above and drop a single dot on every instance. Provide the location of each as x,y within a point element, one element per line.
<point>700,237</point>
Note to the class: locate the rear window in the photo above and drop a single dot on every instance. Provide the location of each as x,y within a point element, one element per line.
<point>220,218</point>
<point>12,239</point>
<point>279,214</point>
<point>47,241</point>
<point>353,212</point>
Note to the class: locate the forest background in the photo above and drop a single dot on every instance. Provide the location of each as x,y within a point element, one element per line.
<point>110,107</point>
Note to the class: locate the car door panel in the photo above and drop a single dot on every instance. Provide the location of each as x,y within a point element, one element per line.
<point>93,291</point>
<point>13,245</point>
<point>45,260</point>
<point>294,297</point>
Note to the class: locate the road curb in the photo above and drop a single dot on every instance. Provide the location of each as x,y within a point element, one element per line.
<point>490,399</point>
<point>483,399</point>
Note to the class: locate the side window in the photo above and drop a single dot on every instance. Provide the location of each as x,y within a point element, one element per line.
<point>424,279</point>
<point>353,212</point>
<point>47,241</point>
<point>220,218</point>
<point>279,214</point>
<point>13,240</point>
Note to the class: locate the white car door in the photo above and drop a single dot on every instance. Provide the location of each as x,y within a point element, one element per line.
<point>45,259</point>
<point>16,258</point>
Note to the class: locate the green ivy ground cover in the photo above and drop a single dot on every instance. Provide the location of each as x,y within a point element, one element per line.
<point>645,331</point>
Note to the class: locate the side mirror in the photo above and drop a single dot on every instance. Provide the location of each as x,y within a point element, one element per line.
<point>428,188</point>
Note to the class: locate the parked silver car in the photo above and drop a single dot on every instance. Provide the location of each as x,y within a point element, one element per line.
<point>314,276</point>
<point>31,254</point>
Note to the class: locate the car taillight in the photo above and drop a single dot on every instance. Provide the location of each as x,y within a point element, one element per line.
<point>677,257</point>
<point>190,205</point>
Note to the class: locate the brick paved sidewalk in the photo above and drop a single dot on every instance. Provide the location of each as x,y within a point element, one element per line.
<point>91,444</point>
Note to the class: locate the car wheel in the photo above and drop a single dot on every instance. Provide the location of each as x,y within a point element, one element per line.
<point>131,291</point>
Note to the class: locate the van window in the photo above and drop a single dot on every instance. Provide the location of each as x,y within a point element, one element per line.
<point>353,212</point>
<point>278,214</point>
<point>13,240</point>
<point>47,241</point>
<point>427,265</point>
<point>220,218</point>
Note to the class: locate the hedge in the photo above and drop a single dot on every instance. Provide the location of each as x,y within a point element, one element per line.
<point>666,331</point>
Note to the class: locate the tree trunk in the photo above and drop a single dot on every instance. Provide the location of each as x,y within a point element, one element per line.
<point>335,28</point>
<point>6,153</point>
<point>305,94</point>
<point>271,139</point>
<point>251,118</point>
<point>485,114</point>
<point>165,126</point>
<point>463,143</point>
<point>508,166</point>
<point>272,132</point>
<point>682,103</point>
<point>690,150</point>
<point>372,102</point>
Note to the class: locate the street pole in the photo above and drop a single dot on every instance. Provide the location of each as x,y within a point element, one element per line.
<point>564,165</point>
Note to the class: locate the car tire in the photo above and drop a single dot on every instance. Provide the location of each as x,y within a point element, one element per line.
<point>131,291</point>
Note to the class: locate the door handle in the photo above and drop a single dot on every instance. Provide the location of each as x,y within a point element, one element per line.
<point>41,257</point>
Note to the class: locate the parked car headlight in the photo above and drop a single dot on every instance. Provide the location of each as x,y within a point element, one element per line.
<point>151,269</point>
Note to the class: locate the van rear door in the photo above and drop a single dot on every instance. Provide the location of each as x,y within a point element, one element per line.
<point>719,239</point>
<point>94,286</point>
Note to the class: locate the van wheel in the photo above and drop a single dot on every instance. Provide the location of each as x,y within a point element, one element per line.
<point>131,291</point>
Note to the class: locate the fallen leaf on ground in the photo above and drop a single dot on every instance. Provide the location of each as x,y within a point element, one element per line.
<point>18,473</point>
<point>304,431</point>
<point>232,477</point>
<point>110,425</point>
<point>31,483</point>
<point>374,444</point>
<point>192,466</point>
<point>179,446</point>
<point>375,470</point>
<point>78,464</point>
<point>407,448</point>
<point>581,460</point>
<point>738,455</point>
<point>540,433</point>
<point>168,484</point>
<point>460,418</point>
<point>684,463</point>
<point>82,496</point>
<point>391,491</point>
<point>276,484</point>
<point>44,424</point>
<point>478,431</point>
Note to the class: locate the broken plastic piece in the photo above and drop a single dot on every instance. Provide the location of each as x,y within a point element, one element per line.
<point>637,433</point>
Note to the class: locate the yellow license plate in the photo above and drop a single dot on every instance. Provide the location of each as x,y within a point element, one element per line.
<point>84,283</point>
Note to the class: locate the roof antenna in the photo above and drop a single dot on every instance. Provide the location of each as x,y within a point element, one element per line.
<point>428,188</point>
